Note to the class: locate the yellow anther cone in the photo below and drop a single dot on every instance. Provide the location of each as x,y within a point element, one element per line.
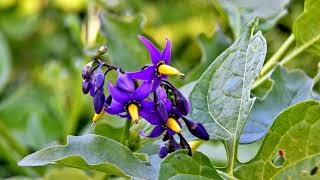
<point>134,113</point>
<point>173,125</point>
<point>97,117</point>
<point>168,70</point>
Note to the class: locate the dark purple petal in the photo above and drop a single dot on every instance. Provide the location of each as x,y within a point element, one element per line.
<point>151,116</point>
<point>98,101</point>
<point>162,94</point>
<point>118,95</point>
<point>86,71</point>
<point>156,132</point>
<point>196,129</point>
<point>86,85</point>
<point>143,90</point>
<point>115,108</point>
<point>163,151</point>
<point>125,83</point>
<point>185,145</point>
<point>169,131</point>
<point>93,89</point>
<point>162,111</point>
<point>147,105</point>
<point>99,78</point>
<point>173,145</point>
<point>182,103</point>
<point>146,74</point>
<point>153,51</point>
<point>156,83</point>
<point>166,53</point>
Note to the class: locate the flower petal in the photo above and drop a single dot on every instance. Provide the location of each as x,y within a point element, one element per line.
<point>125,83</point>
<point>115,108</point>
<point>151,116</point>
<point>143,90</point>
<point>98,101</point>
<point>166,53</point>
<point>147,105</point>
<point>153,51</point>
<point>118,95</point>
<point>156,132</point>
<point>145,74</point>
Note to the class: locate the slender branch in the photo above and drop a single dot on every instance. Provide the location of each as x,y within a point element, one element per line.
<point>276,57</point>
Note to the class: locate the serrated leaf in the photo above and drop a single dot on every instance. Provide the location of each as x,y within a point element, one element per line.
<point>240,12</point>
<point>306,28</point>
<point>289,88</point>
<point>221,97</point>
<point>5,61</point>
<point>295,131</point>
<point>92,152</point>
<point>123,43</point>
<point>179,165</point>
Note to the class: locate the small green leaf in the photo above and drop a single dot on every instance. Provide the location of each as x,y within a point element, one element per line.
<point>295,131</point>
<point>123,42</point>
<point>240,12</point>
<point>221,97</point>
<point>95,153</point>
<point>5,60</point>
<point>179,165</point>
<point>306,28</point>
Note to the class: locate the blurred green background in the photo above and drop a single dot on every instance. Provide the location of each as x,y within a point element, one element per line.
<point>45,43</point>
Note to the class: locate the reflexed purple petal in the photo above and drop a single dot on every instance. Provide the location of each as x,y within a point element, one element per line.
<point>146,74</point>
<point>143,90</point>
<point>166,53</point>
<point>182,103</point>
<point>156,132</point>
<point>170,131</point>
<point>163,151</point>
<point>151,116</point>
<point>86,86</point>
<point>125,83</point>
<point>162,95</point>
<point>162,111</point>
<point>147,105</point>
<point>98,101</point>
<point>99,78</point>
<point>118,95</point>
<point>156,83</point>
<point>173,145</point>
<point>153,51</point>
<point>115,108</point>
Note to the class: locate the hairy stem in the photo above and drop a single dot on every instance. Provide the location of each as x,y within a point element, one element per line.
<point>125,132</point>
<point>230,145</point>
<point>276,57</point>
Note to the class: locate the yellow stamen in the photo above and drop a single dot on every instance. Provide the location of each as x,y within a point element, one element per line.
<point>133,111</point>
<point>97,117</point>
<point>168,70</point>
<point>173,125</point>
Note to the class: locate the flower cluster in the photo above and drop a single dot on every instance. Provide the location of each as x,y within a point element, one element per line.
<point>145,93</point>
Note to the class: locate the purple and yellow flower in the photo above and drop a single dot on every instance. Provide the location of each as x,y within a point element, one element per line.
<point>159,68</point>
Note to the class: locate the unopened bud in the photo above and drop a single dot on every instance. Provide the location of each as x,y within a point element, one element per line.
<point>182,103</point>
<point>99,78</point>
<point>86,71</point>
<point>102,49</point>
<point>98,101</point>
<point>86,85</point>
<point>163,151</point>
<point>196,129</point>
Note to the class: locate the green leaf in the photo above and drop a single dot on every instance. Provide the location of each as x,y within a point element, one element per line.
<point>179,165</point>
<point>123,42</point>
<point>263,90</point>
<point>66,173</point>
<point>5,61</point>
<point>289,88</point>
<point>95,153</point>
<point>221,97</point>
<point>306,28</point>
<point>295,132</point>
<point>240,12</point>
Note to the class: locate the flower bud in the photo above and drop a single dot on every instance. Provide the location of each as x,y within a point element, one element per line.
<point>163,151</point>
<point>99,78</point>
<point>98,101</point>
<point>86,71</point>
<point>182,103</point>
<point>196,129</point>
<point>86,85</point>
<point>102,49</point>
<point>173,145</point>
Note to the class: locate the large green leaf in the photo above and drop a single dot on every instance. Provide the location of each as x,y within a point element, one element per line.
<point>306,28</point>
<point>295,132</point>
<point>5,59</point>
<point>122,40</point>
<point>240,12</point>
<point>289,88</point>
<point>179,165</point>
<point>95,153</point>
<point>221,97</point>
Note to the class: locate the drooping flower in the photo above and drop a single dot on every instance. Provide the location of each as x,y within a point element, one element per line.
<point>99,97</point>
<point>159,68</point>
<point>128,101</point>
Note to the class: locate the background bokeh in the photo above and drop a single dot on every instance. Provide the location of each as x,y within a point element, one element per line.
<point>45,43</point>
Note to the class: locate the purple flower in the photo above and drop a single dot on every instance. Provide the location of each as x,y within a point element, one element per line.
<point>86,85</point>
<point>163,151</point>
<point>128,101</point>
<point>159,68</point>
<point>196,129</point>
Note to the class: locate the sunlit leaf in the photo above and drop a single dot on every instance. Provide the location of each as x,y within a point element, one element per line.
<point>295,132</point>
<point>92,152</point>
<point>179,165</point>
<point>5,61</point>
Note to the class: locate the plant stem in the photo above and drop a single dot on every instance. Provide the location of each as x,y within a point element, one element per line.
<point>125,132</point>
<point>230,145</point>
<point>276,57</point>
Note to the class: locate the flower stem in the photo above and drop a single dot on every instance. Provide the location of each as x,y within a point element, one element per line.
<point>230,145</point>
<point>276,57</point>
<point>125,132</point>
